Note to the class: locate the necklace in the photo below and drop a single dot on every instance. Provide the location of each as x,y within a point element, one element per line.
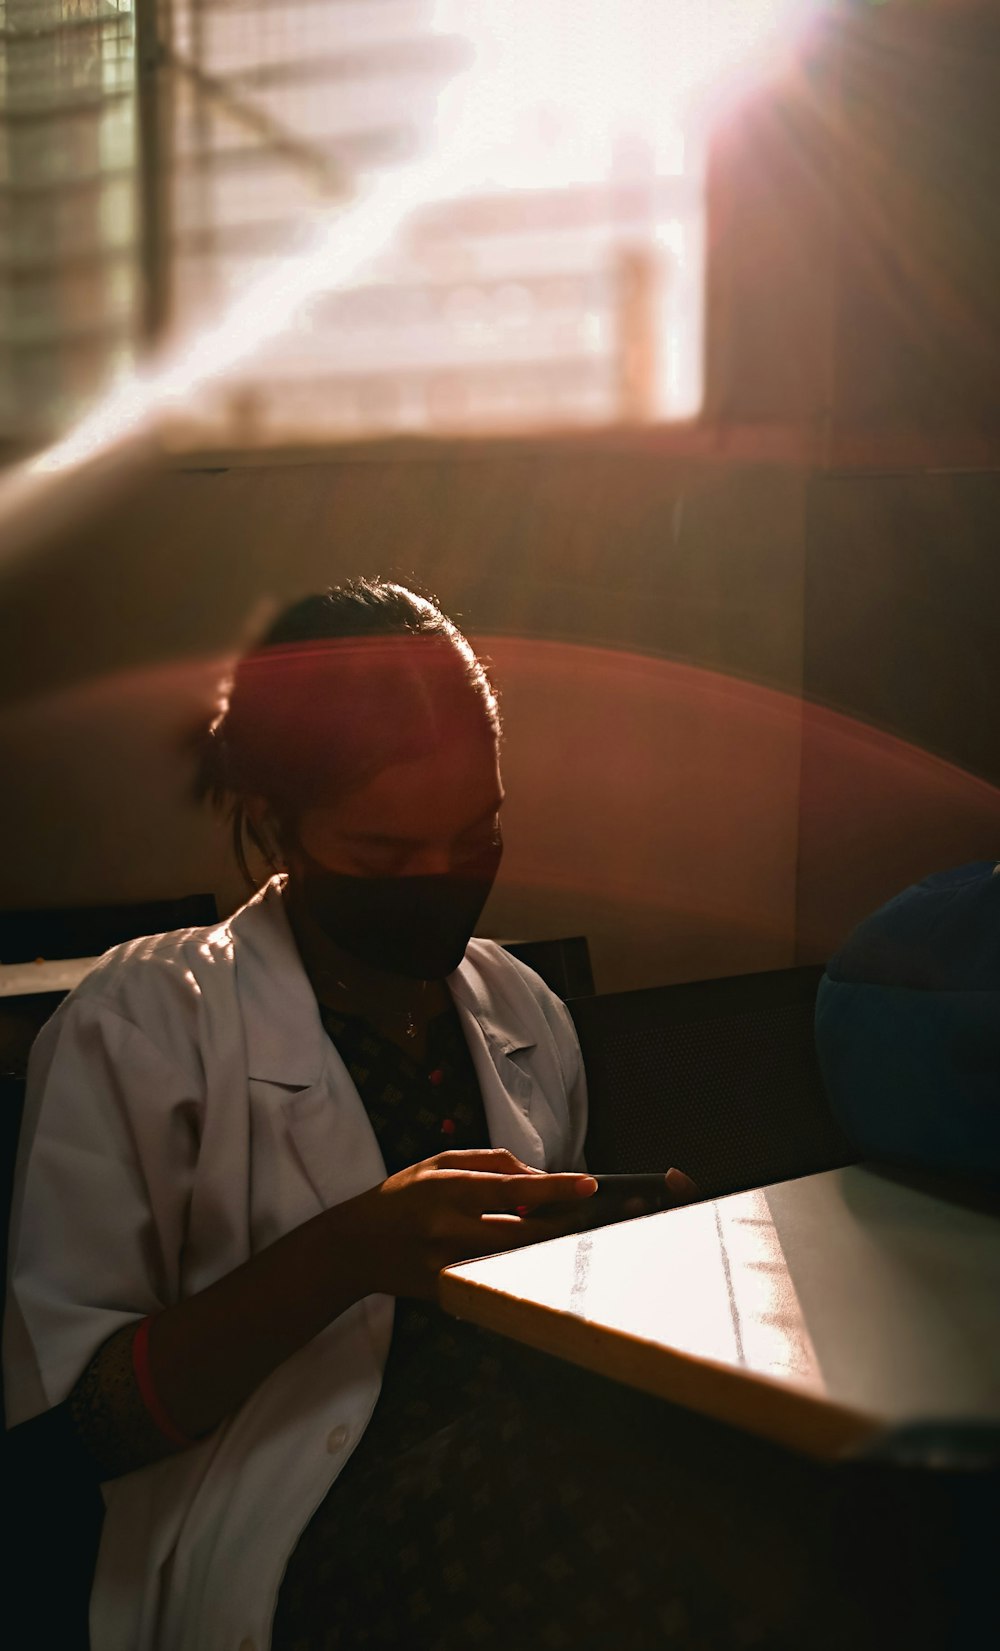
<point>397,1020</point>
<point>406,1020</point>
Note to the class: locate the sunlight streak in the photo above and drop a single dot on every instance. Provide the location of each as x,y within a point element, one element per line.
<point>560,94</point>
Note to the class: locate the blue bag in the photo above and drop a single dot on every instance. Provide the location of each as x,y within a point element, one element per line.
<point>908,1026</point>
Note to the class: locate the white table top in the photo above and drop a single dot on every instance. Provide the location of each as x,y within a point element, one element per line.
<point>59,974</point>
<point>815,1312</point>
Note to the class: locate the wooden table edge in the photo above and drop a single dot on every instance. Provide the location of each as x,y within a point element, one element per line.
<point>764,1405</point>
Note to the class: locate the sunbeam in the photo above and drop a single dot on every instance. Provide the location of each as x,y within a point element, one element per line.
<point>555,95</point>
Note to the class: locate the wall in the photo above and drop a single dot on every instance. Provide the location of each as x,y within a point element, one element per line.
<point>854,213</point>
<point>854,325</point>
<point>644,618</point>
<point>655,619</point>
<point>901,737</point>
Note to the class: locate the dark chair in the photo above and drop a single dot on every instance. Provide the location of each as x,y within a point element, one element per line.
<point>87,931</point>
<point>21,1018</point>
<point>564,965</point>
<point>53,1510</point>
<point>717,1077</point>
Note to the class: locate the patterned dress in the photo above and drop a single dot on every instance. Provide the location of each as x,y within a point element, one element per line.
<point>499,1498</point>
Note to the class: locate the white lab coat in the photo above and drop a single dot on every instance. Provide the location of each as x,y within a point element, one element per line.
<point>185,1109</point>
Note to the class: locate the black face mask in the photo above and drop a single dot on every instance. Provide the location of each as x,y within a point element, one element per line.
<point>418,927</point>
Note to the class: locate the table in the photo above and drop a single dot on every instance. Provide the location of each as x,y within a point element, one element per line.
<point>815,1313</point>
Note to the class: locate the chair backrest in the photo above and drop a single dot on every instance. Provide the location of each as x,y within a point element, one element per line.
<point>20,1020</point>
<point>564,965</point>
<point>86,931</point>
<point>11,1111</point>
<point>51,1506</point>
<point>717,1077</point>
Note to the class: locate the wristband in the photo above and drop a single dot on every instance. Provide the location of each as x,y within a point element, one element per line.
<point>147,1389</point>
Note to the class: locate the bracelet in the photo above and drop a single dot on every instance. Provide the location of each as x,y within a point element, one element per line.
<point>147,1389</point>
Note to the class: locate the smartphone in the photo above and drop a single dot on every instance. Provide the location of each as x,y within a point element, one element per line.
<point>619,1198</point>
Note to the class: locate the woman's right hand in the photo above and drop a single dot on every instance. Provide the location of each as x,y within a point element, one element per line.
<point>211,1350</point>
<point>454,1207</point>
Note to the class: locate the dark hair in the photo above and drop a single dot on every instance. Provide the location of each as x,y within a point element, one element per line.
<point>340,685</point>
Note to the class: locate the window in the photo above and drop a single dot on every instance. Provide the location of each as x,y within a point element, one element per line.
<point>380,217</point>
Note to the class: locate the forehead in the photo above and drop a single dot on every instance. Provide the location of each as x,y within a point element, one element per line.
<point>433,796</point>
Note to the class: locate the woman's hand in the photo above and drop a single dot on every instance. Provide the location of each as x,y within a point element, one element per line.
<point>210,1351</point>
<point>453,1207</point>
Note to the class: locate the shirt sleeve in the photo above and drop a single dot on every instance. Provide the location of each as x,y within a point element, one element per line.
<point>105,1167</point>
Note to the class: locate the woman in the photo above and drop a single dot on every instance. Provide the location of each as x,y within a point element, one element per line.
<point>242,1144</point>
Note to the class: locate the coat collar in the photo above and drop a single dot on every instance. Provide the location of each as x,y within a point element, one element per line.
<point>284,1034</point>
<point>285,1040</point>
<point>473,991</point>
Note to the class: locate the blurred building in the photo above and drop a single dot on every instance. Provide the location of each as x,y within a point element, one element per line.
<point>161,158</point>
